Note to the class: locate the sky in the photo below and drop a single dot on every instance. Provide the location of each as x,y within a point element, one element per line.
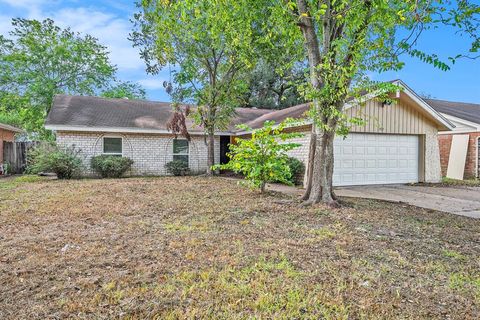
<point>109,21</point>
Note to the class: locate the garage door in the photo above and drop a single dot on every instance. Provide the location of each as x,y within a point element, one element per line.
<point>375,159</point>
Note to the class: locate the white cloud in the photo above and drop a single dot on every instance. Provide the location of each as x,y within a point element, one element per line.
<point>108,21</point>
<point>109,29</point>
<point>152,84</point>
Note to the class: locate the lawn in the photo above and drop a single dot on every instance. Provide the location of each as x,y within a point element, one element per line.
<point>193,247</point>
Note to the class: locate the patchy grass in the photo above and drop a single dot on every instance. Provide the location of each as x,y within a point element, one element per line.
<point>193,247</point>
<point>14,181</point>
<point>447,182</point>
<point>453,182</point>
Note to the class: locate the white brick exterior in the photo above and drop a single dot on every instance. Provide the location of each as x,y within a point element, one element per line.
<point>149,152</point>
<point>301,152</point>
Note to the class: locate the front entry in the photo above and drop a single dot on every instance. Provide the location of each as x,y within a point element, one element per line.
<point>224,149</point>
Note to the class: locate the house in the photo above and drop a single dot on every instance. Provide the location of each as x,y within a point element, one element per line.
<point>7,134</point>
<point>466,118</point>
<point>398,143</point>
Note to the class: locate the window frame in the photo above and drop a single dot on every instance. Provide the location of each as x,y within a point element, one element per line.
<point>111,153</point>
<point>181,154</point>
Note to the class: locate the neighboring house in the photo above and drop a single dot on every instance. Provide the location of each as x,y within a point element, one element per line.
<point>398,144</point>
<point>466,118</point>
<point>7,134</point>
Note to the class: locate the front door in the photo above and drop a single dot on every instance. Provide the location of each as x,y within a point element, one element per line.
<point>224,149</point>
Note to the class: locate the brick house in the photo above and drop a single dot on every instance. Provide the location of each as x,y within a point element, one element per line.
<point>397,144</point>
<point>466,118</point>
<point>7,134</point>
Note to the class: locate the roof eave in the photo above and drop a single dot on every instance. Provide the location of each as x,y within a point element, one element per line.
<point>57,127</point>
<point>445,124</point>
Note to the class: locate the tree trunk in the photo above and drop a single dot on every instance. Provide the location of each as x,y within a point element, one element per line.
<point>262,187</point>
<point>210,152</point>
<point>321,189</point>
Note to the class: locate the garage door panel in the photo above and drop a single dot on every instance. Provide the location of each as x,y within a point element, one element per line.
<point>375,159</point>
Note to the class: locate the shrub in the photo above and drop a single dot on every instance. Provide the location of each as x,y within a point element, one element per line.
<point>111,166</point>
<point>177,168</point>
<point>297,168</point>
<point>48,157</point>
<point>262,158</point>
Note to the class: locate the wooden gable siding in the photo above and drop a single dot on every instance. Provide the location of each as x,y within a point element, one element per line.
<point>398,118</point>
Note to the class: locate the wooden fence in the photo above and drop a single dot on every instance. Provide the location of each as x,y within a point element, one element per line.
<point>15,155</point>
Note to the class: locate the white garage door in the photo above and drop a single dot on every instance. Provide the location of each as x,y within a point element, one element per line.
<point>375,159</point>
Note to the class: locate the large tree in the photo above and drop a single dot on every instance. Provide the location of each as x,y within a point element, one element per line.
<point>40,60</point>
<point>124,90</point>
<point>345,39</point>
<point>200,41</point>
<point>272,85</point>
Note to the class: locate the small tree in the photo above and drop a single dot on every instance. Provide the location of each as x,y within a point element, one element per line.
<point>200,40</point>
<point>264,157</point>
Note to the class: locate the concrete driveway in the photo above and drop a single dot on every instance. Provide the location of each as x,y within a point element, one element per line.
<point>463,201</point>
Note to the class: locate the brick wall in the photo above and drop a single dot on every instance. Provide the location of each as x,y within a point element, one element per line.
<point>5,135</point>
<point>150,153</point>
<point>445,141</point>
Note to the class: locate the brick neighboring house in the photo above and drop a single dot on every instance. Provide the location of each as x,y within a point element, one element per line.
<point>466,118</point>
<point>397,144</point>
<point>7,134</point>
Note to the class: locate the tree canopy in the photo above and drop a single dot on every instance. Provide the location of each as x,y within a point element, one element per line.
<point>40,59</point>
<point>124,89</point>
<point>273,86</point>
<point>201,42</point>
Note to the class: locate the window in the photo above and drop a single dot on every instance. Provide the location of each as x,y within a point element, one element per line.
<point>180,150</point>
<point>112,146</point>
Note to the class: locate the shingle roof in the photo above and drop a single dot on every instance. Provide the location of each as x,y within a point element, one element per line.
<point>95,112</point>
<point>295,112</point>
<point>462,110</point>
<point>10,128</point>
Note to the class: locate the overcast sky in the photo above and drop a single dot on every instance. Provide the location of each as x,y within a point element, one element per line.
<point>108,20</point>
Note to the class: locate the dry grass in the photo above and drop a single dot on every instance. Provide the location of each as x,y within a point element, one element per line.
<point>192,247</point>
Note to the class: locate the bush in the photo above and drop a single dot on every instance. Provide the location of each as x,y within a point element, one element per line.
<point>111,166</point>
<point>263,158</point>
<point>48,157</point>
<point>297,168</point>
<point>177,168</point>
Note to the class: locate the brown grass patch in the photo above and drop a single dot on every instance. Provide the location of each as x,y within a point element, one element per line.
<point>193,247</point>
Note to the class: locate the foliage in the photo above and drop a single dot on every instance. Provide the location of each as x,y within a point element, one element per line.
<point>111,166</point>
<point>6,167</point>
<point>10,118</point>
<point>296,168</point>
<point>263,158</point>
<point>124,89</point>
<point>274,85</point>
<point>177,123</point>
<point>177,168</point>
<point>49,157</point>
<point>40,60</point>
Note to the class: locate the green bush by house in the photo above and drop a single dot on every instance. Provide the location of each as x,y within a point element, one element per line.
<point>66,163</point>
<point>177,168</point>
<point>263,158</point>
<point>111,166</point>
<point>297,168</point>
